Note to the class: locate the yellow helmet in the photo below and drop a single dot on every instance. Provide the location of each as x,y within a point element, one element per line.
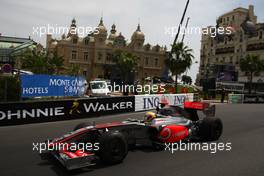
<point>149,116</point>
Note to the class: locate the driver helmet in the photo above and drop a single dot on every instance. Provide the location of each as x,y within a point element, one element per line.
<point>163,103</point>
<point>149,116</point>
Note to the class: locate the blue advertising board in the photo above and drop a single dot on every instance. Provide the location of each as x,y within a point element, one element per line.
<point>52,85</point>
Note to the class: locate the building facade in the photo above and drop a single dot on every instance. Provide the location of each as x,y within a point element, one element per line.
<point>225,51</point>
<point>93,54</point>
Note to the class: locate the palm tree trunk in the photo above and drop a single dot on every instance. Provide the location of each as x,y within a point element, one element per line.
<point>250,83</point>
<point>176,83</point>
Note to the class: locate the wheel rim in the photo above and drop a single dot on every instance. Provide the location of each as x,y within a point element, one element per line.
<point>116,148</point>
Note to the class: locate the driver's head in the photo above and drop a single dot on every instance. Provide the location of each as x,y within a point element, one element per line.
<point>149,116</point>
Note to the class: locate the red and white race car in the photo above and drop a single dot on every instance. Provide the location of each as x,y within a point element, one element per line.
<point>111,141</point>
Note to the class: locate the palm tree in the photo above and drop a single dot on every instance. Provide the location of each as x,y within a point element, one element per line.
<point>125,62</point>
<point>251,64</point>
<point>186,79</point>
<point>179,60</point>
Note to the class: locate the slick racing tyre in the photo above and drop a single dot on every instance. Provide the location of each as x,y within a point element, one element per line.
<point>210,129</point>
<point>113,147</point>
<point>82,125</point>
<point>157,146</point>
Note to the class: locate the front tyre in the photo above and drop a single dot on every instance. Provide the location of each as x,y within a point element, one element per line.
<point>210,129</point>
<point>113,147</point>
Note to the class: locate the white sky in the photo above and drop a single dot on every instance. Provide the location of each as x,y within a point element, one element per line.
<point>18,17</point>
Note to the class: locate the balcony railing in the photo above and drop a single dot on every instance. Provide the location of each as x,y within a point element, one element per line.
<point>255,47</point>
<point>225,50</point>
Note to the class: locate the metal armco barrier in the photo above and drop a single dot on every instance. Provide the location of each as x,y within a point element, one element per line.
<point>253,99</point>
<point>235,98</point>
<point>148,102</point>
<point>47,111</point>
<point>19,113</point>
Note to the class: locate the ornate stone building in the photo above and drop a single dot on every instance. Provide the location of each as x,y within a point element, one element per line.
<point>93,53</point>
<point>227,50</point>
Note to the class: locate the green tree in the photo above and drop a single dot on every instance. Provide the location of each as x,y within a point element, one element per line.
<point>179,60</point>
<point>186,79</point>
<point>42,63</point>
<point>35,62</point>
<point>56,63</point>
<point>73,70</point>
<point>9,88</point>
<point>252,65</point>
<point>125,62</point>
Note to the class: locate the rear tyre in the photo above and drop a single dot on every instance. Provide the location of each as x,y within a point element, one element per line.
<point>157,146</point>
<point>210,129</point>
<point>113,147</point>
<point>82,125</point>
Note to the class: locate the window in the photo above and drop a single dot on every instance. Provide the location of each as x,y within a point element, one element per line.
<point>156,62</point>
<point>109,57</point>
<point>227,18</point>
<point>85,56</point>
<point>146,61</point>
<point>231,59</point>
<point>84,73</point>
<point>100,56</point>
<point>237,60</point>
<point>74,40</point>
<point>233,17</point>
<point>260,34</point>
<point>74,55</point>
<point>86,41</point>
<point>241,37</point>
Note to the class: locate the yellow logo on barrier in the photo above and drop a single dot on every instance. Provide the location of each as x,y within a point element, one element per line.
<point>75,107</point>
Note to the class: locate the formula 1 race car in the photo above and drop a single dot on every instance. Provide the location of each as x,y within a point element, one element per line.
<point>110,142</point>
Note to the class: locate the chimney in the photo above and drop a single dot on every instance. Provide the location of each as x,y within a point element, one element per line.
<point>48,40</point>
<point>251,14</point>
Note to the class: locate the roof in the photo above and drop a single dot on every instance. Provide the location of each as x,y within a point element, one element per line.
<point>239,9</point>
<point>5,51</point>
<point>14,39</point>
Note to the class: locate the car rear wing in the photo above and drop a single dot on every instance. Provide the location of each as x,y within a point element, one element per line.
<point>208,110</point>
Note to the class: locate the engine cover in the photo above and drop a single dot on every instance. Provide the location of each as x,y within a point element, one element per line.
<point>173,133</point>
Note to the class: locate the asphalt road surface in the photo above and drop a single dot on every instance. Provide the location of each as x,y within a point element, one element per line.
<point>243,127</point>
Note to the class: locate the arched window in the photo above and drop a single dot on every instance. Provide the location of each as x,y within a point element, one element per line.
<point>86,41</point>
